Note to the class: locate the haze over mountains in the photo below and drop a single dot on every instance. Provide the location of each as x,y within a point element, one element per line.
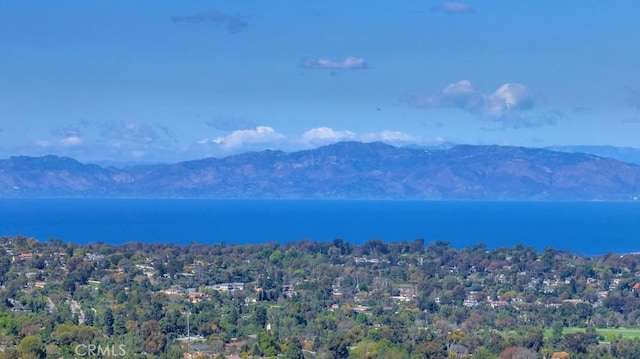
<point>624,154</point>
<point>345,170</point>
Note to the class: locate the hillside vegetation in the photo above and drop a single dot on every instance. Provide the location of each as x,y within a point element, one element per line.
<point>315,300</point>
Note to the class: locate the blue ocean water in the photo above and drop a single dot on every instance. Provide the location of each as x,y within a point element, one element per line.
<point>581,227</point>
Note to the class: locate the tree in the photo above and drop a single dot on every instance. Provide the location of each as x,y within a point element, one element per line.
<point>260,316</point>
<point>435,349</point>
<point>89,317</point>
<point>9,354</point>
<point>518,353</point>
<point>31,347</point>
<point>556,334</point>
<point>579,342</point>
<point>119,324</point>
<point>107,321</point>
<point>268,345</point>
<point>534,339</point>
<point>293,351</point>
<point>121,297</point>
<point>154,339</point>
<point>338,346</point>
<point>484,354</point>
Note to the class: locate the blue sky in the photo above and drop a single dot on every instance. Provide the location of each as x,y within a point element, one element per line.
<point>173,80</point>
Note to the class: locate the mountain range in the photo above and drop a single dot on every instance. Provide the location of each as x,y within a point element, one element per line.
<point>624,154</point>
<point>345,170</point>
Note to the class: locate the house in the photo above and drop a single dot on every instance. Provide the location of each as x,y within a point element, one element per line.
<point>144,267</point>
<point>573,301</point>
<point>197,296</point>
<point>400,298</point>
<point>173,291</point>
<point>470,302</point>
<point>25,256</point>
<point>370,260</point>
<point>199,355</point>
<point>227,287</point>
<point>614,284</point>
<point>499,304</point>
<point>94,257</point>
<point>635,287</point>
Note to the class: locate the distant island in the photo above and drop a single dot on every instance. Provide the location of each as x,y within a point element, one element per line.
<point>345,170</point>
<point>310,299</point>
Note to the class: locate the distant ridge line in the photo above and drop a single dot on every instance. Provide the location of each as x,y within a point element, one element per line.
<point>344,170</point>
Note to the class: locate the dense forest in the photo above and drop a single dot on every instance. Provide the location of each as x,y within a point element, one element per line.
<point>314,300</point>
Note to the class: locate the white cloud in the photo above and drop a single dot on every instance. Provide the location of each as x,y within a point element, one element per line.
<point>454,8</point>
<point>235,24</point>
<point>460,94</point>
<point>511,104</point>
<point>43,143</point>
<point>325,134</point>
<point>390,136</point>
<point>134,132</point>
<point>264,135</point>
<point>131,142</point>
<point>509,97</point>
<point>67,131</point>
<point>113,140</point>
<point>71,141</point>
<point>349,63</point>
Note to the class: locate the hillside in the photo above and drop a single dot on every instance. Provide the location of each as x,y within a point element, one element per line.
<point>346,170</point>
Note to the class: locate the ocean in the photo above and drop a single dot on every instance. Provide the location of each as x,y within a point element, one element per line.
<point>589,228</point>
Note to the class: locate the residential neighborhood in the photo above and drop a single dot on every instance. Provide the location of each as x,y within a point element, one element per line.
<point>260,300</point>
